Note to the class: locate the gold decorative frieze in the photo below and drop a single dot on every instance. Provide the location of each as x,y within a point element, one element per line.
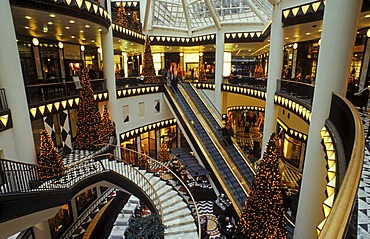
<point>146,128</point>
<point>140,90</point>
<point>295,107</point>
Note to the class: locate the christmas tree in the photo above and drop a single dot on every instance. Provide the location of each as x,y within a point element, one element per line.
<point>136,22</point>
<point>88,116</point>
<point>148,64</point>
<point>263,215</point>
<point>121,17</point>
<point>107,127</point>
<point>49,158</point>
<point>145,227</point>
<point>163,154</point>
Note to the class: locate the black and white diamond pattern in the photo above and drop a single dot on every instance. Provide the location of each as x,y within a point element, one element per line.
<point>66,132</point>
<point>363,195</point>
<point>49,126</point>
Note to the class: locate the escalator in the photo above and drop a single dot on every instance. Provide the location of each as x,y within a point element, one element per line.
<point>242,163</point>
<point>207,149</point>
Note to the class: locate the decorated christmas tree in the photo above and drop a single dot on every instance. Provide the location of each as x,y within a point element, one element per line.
<point>121,17</point>
<point>163,153</point>
<point>107,127</point>
<point>263,215</point>
<point>136,22</point>
<point>49,158</point>
<point>148,64</point>
<point>145,227</point>
<point>88,117</point>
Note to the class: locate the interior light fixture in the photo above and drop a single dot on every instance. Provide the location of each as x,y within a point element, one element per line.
<point>100,30</point>
<point>319,42</point>
<point>81,31</point>
<point>52,15</point>
<point>307,33</point>
<point>181,54</point>
<point>200,53</point>
<point>27,27</point>
<point>60,34</point>
<point>82,48</point>
<point>35,41</point>
<point>162,54</point>
<point>87,26</point>
<point>50,23</point>
<point>73,37</point>
<point>368,33</point>
<point>28,17</point>
<point>83,39</point>
<point>60,45</point>
<point>67,28</point>
<point>71,21</point>
<point>295,45</point>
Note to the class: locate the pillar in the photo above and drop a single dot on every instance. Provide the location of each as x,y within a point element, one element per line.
<point>219,59</point>
<point>108,69</point>
<point>125,64</point>
<point>42,230</point>
<point>337,42</point>
<point>11,79</point>
<point>365,64</point>
<point>274,72</point>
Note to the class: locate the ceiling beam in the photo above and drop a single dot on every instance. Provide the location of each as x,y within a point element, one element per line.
<point>214,15</point>
<point>256,11</point>
<point>147,15</point>
<point>187,18</point>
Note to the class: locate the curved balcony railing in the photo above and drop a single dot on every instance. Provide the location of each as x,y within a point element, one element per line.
<point>346,119</point>
<point>89,10</point>
<point>143,161</point>
<point>297,89</point>
<point>57,90</point>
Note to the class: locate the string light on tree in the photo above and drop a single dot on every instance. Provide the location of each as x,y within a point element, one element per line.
<point>88,116</point>
<point>121,17</point>
<point>49,158</point>
<point>148,64</point>
<point>263,215</point>
<point>107,126</point>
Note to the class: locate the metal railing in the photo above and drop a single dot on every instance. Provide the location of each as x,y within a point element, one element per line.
<point>51,91</point>
<point>338,220</point>
<point>81,219</point>
<point>134,158</point>
<point>297,89</point>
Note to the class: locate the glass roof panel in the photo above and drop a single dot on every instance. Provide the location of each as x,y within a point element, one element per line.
<point>169,14</point>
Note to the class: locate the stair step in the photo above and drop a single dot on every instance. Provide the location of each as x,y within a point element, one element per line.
<point>180,215</point>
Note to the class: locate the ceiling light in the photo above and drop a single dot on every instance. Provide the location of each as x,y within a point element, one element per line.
<point>286,38</point>
<point>368,33</point>
<point>82,48</point>
<point>295,45</point>
<point>73,37</point>
<point>52,15</point>
<point>296,36</point>
<point>35,41</point>
<point>83,39</point>
<point>92,40</point>
<point>200,53</point>
<point>81,31</point>
<point>119,40</point>
<point>249,50</point>
<point>307,33</point>
<point>87,26</point>
<point>132,44</point>
<point>28,17</point>
<point>71,21</point>
<point>367,16</point>
<point>50,23</point>
<point>27,27</point>
<point>60,45</point>
<point>67,28</point>
<point>60,34</point>
<point>319,30</point>
<point>319,42</point>
<point>100,30</point>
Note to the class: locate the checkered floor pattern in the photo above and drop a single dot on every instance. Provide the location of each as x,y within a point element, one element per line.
<point>363,196</point>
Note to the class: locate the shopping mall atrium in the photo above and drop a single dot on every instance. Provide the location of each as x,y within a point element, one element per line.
<point>184,119</point>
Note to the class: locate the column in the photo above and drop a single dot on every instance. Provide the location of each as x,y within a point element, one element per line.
<point>12,80</point>
<point>125,64</point>
<point>219,59</point>
<point>108,69</point>
<point>365,63</point>
<point>337,42</point>
<point>42,230</point>
<point>74,209</point>
<point>274,72</point>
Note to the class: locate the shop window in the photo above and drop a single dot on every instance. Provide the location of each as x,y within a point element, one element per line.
<point>60,220</point>
<point>292,150</point>
<point>50,63</point>
<point>128,155</point>
<point>27,63</point>
<point>85,199</point>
